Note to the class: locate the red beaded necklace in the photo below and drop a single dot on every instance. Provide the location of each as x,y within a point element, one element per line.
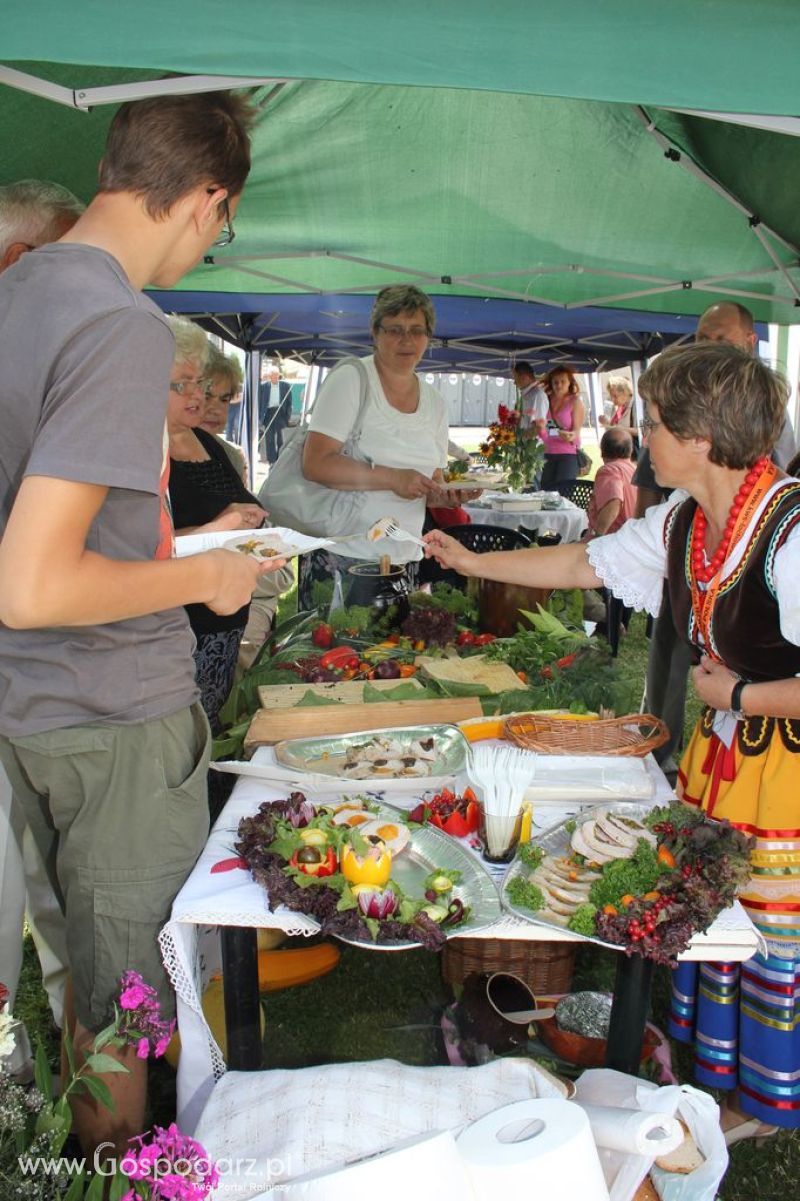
<point>704,572</point>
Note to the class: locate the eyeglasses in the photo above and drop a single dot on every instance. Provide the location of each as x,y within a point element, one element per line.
<point>188,385</point>
<point>401,331</point>
<point>648,425</point>
<point>228,234</point>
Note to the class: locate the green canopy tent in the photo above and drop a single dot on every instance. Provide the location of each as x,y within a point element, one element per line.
<point>518,150</point>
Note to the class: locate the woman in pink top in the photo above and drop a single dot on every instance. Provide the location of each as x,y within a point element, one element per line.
<point>561,430</point>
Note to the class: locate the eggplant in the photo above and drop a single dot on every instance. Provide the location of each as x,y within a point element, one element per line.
<point>387,669</point>
<point>321,675</point>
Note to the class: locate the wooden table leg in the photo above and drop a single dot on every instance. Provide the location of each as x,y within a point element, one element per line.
<point>629,1013</point>
<point>242,1004</point>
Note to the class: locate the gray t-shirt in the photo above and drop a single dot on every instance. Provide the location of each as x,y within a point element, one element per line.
<point>84,370</point>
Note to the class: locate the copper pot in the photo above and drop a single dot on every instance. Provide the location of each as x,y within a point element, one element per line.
<point>499,605</point>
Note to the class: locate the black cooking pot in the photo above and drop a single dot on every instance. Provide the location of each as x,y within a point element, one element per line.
<point>365,585</point>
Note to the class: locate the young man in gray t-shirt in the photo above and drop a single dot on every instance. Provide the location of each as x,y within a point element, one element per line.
<point>99,726</point>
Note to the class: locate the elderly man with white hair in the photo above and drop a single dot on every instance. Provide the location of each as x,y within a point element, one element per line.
<point>33,212</point>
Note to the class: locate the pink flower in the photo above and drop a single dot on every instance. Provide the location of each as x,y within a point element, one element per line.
<point>176,1167</point>
<point>163,1042</point>
<point>132,997</point>
<point>142,1049</point>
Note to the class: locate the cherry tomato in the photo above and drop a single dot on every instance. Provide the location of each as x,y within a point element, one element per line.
<point>485,639</point>
<point>465,638</point>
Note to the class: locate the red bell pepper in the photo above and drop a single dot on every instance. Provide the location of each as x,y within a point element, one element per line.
<point>325,867</point>
<point>455,815</point>
<point>339,657</point>
<point>322,635</point>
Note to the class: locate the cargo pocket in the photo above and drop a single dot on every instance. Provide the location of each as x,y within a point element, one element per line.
<point>127,917</point>
<point>187,795</point>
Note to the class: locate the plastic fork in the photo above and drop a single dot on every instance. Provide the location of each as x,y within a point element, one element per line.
<point>387,527</point>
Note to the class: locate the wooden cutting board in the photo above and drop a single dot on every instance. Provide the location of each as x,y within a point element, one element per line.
<point>274,725</point>
<point>284,696</point>
<point>475,669</point>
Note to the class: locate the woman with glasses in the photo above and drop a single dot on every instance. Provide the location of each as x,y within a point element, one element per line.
<point>402,446</point>
<point>727,541</point>
<point>206,493</point>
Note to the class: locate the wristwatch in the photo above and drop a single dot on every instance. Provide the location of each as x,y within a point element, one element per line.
<point>736,699</point>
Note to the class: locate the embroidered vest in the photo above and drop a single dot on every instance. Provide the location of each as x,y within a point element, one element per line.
<point>745,623</point>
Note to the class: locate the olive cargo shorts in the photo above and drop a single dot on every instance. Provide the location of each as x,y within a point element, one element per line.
<point>122,812</point>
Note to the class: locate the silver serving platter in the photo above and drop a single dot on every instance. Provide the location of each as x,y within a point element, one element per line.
<point>325,755</point>
<point>556,842</point>
<point>430,848</point>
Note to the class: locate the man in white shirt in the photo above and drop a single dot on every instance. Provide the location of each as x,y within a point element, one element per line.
<point>535,404</point>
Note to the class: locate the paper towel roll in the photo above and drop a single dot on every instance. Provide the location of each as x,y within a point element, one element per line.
<point>633,1131</point>
<point>428,1166</point>
<point>540,1148</point>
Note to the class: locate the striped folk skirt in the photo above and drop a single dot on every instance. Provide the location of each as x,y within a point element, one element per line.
<point>744,1020</point>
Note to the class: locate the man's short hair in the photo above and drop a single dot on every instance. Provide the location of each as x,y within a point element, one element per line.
<point>523,369</point>
<point>616,444</point>
<point>35,211</point>
<point>402,298</point>
<point>743,313</point>
<point>716,391</point>
<point>162,148</point>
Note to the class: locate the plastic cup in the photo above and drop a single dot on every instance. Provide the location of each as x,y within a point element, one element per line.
<point>499,836</point>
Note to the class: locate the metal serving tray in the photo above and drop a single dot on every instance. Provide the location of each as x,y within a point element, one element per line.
<point>430,848</point>
<point>556,842</point>
<point>325,755</point>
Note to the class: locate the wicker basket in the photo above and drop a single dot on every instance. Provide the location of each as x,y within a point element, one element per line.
<point>637,734</point>
<point>546,967</point>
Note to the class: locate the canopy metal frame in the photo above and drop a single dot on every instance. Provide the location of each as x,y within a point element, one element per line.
<point>781,256</point>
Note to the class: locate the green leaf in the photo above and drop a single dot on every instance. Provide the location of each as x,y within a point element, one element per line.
<point>96,1188</point>
<point>105,1037</point>
<point>230,744</point>
<point>409,909</point>
<point>459,688</point>
<point>99,1090</point>
<point>407,690</point>
<point>313,700</point>
<point>69,1047</point>
<point>42,1074</point>
<point>119,1186</point>
<point>105,1063</point>
<point>75,1190</point>
<point>348,900</point>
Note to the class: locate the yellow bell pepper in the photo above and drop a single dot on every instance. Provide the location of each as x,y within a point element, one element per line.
<point>375,867</point>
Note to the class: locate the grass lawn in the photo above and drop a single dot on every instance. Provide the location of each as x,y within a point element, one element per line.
<point>388,1006</point>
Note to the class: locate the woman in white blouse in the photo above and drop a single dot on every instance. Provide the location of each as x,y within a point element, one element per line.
<point>403,443</point>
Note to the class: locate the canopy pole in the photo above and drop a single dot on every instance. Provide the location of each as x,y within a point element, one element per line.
<point>253,368</point>
<point>787,125</point>
<point>86,98</point>
<point>684,160</point>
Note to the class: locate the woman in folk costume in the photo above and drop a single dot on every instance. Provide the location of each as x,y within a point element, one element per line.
<point>730,550</point>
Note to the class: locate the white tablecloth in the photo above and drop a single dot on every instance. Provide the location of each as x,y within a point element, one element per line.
<point>569,521</point>
<point>228,896</point>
